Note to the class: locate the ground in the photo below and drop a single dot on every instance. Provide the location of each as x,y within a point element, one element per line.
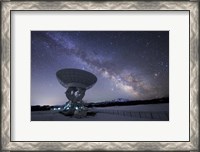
<point>151,112</point>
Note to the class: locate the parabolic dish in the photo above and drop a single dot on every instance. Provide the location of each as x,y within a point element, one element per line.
<point>76,78</point>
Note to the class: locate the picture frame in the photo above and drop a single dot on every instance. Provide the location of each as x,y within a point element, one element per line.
<point>7,7</point>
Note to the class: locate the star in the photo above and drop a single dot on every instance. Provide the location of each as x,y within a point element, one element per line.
<point>148,43</point>
<point>156,75</point>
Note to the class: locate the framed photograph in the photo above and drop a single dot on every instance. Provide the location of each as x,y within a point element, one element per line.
<point>115,75</point>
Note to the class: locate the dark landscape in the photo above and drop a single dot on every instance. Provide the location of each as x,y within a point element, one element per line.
<point>118,102</point>
<point>146,110</point>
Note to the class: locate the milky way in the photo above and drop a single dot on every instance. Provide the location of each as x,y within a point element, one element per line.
<point>128,64</point>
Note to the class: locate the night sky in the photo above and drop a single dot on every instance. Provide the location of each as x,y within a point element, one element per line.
<point>133,65</point>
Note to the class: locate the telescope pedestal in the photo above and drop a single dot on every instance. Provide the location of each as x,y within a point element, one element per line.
<point>75,106</point>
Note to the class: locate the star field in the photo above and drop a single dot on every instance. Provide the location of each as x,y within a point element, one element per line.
<point>128,64</point>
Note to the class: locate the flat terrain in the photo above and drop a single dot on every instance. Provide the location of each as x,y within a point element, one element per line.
<point>151,112</point>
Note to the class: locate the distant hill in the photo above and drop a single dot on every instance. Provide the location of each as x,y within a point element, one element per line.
<point>40,108</point>
<point>120,100</point>
<point>123,102</point>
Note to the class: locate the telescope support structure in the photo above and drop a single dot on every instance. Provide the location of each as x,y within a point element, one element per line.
<point>75,107</point>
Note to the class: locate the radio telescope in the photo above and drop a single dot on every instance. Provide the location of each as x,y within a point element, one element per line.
<point>76,82</point>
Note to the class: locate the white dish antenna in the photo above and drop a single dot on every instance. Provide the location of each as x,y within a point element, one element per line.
<point>76,78</point>
<point>76,82</point>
